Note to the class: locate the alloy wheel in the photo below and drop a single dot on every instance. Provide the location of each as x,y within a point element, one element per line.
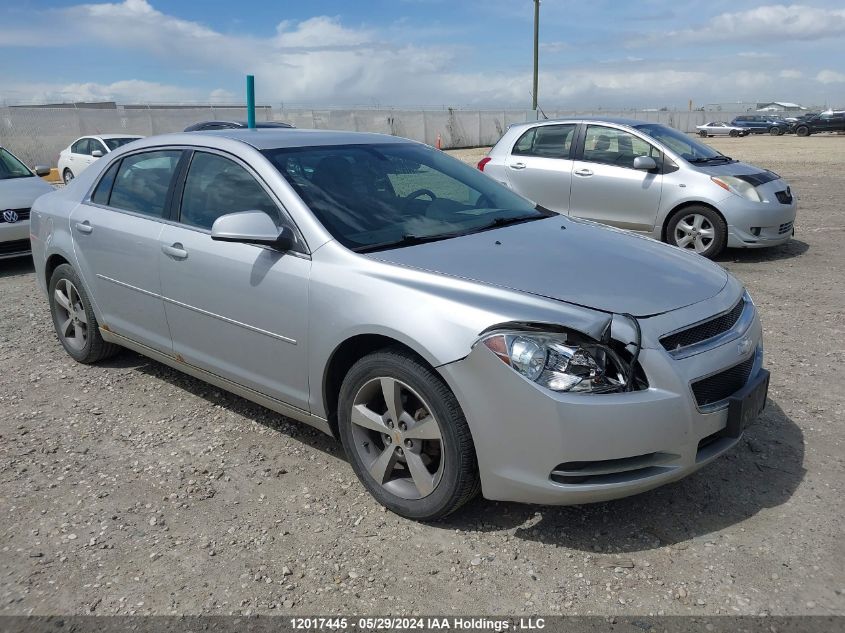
<point>70,315</point>
<point>397,438</point>
<point>695,232</point>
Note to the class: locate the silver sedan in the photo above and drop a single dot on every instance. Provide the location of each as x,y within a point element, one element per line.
<point>455,337</point>
<point>720,128</point>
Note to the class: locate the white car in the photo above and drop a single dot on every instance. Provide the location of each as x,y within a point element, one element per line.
<point>77,156</point>
<point>19,188</point>
<point>720,128</point>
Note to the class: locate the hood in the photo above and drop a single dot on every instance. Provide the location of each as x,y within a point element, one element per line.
<point>573,261</point>
<point>735,169</point>
<point>20,193</point>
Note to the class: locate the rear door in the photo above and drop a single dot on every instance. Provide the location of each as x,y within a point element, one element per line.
<point>239,311</point>
<point>606,187</point>
<point>540,165</point>
<point>116,240</point>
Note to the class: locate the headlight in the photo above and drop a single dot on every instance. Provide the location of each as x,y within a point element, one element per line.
<point>558,361</point>
<point>737,186</point>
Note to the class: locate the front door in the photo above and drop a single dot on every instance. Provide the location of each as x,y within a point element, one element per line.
<point>540,165</point>
<point>605,186</point>
<point>239,311</point>
<point>116,237</point>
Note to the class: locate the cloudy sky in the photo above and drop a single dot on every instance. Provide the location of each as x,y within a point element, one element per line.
<point>608,53</point>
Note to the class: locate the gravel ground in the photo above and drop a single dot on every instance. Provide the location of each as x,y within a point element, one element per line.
<point>130,488</point>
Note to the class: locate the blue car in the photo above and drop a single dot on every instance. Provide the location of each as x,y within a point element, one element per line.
<point>761,124</point>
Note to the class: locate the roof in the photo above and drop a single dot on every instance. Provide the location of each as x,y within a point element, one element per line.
<point>592,119</point>
<point>268,138</point>
<point>783,104</point>
<point>108,136</point>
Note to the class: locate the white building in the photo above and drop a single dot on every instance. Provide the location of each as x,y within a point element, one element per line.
<point>780,106</point>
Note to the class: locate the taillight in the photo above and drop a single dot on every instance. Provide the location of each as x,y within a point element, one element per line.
<point>483,162</point>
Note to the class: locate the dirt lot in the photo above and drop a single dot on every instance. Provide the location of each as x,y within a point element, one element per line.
<point>130,488</point>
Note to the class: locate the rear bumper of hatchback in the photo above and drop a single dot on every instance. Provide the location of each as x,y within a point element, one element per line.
<point>538,446</point>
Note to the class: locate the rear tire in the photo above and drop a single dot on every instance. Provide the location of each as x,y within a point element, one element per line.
<point>67,176</point>
<point>697,228</point>
<point>422,465</point>
<point>74,320</point>
<point>802,130</point>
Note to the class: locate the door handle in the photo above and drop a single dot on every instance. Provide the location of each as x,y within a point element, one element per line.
<point>176,251</point>
<point>584,172</point>
<point>517,166</point>
<point>84,227</point>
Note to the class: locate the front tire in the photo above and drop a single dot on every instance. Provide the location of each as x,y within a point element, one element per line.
<point>734,133</point>
<point>775,131</point>
<point>74,320</point>
<point>702,134</point>
<point>698,228</point>
<point>406,436</point>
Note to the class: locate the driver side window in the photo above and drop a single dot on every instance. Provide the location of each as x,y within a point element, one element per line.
<point>616,147</point>
<point>217,186</point>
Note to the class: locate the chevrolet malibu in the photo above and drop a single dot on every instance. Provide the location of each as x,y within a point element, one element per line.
<point>648,178</point>
<point>454,336</point>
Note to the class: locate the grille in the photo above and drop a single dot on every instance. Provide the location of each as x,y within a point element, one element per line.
<point>23,214</point>
<point>703,331</point>
<point>786,227</point>
<point>14,246</point>
<point>722,385</point>
<point>785,196</point>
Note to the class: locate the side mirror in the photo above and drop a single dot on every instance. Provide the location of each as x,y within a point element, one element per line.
<point>252,227</point>
<point>646,163</point>
<point>97,153</point>
<point>42,170</point>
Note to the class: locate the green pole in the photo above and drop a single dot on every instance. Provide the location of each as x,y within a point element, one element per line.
<point>250,101</point>
<point>536,52</point>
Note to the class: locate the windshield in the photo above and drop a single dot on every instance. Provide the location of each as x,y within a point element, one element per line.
<point>114,143</point>
<point>682,144</point>
<point>371,197</point>
<point>11,167</point>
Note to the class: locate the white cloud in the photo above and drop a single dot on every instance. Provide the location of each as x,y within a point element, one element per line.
<point>321,60</point>
<point>830,77</point>
<point>776,22</point>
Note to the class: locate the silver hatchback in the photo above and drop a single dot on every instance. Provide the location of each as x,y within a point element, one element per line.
<point>645,177</point>
<point>452,334</point>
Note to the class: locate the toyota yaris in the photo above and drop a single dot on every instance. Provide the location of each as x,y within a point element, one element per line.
<point>454,336</point>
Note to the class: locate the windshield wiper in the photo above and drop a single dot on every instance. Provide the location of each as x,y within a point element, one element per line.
<point>702,159</point>
<point>409,239</point>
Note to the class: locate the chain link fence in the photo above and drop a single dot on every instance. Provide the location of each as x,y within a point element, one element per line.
<point>37,134</point>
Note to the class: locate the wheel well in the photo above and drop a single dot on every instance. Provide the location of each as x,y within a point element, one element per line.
<point>681,207</point>
<point>347,354</point>
<point>53,262</point>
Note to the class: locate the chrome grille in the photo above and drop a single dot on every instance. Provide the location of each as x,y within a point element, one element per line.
<point>703,331</point>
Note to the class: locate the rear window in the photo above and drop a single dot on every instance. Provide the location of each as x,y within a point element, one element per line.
<point>143,181</point>
<point>546,141</point>
<point>114,143</point>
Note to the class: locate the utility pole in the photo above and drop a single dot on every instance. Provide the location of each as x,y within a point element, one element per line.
<point>536,53</point>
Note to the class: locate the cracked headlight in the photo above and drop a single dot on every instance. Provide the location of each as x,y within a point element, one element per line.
<point>559,361</point>
<point>737,186</point>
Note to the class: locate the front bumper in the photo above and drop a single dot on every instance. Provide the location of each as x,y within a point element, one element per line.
<point>14,239</point>
<point>526,436</point>
<point>760,224</point>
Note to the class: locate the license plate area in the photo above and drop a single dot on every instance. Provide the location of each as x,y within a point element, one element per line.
<point>747,404</point>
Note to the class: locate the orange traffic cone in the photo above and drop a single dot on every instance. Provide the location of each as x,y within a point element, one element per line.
<point>439,141</point>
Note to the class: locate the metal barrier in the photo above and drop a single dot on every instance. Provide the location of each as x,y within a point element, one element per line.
<point>38,134</point>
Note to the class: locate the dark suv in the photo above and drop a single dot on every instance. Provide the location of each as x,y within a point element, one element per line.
<point>761,124</point>
<point>824,122</point>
